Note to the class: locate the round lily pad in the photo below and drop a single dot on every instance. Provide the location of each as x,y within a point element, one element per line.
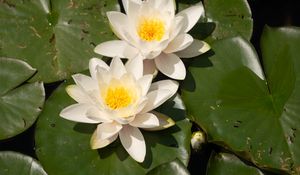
<point>56,37</point>
<point>20,103</point>
<point>252,110</point>
<point>12,163</point>
<point>62,146</point>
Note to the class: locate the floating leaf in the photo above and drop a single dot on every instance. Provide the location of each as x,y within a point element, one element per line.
<point>170,168</point>
<point>72,141</point>
<point>12,163</point>
<point>57,37</point>
<point>227,94</point>
<point>20,104</point>
<point>225,163</point>
<point>222,19</point>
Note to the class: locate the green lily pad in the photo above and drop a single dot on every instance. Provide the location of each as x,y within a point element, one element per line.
<point>57,37</point>
<point>225,163</point>
<point>227,94</point>
<point>223,18</point>
<point>170,168</point>
<point>12,163</point>
<point>20,103</point>
<point>63,145</point>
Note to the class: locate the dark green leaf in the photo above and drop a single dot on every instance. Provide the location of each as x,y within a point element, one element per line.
<point>57,37</point>
<point>223,18</point>
<point>227,94</point>
<point>175,167</point>
<point>225,164</point>
<point>20,104</point>
<point>63,145</point>
<point>12,163</point>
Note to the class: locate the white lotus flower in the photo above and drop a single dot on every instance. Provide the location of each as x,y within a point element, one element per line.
<point>120,99</point>
<point>151,30</point>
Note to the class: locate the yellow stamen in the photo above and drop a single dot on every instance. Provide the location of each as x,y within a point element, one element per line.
<point>151,29</point>
<point>118,97</point>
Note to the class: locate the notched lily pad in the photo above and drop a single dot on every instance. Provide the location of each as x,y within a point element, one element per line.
<point>72,140</point>
<point>20,103</point>
<point>12,163</point>
<point>255,113</point>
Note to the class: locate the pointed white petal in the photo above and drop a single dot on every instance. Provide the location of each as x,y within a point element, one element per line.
<point>117,68</point>
<point>107,130</point>
<point>179,43</point>
<point>119,24</point>
<point>178,27</point>
<point>133,142</point>
<point>77,113</point>
<point>165,5</point>
<point>97,143</point>
<point>94,63</point>
<point>116,48</point>
<point>146,120</point>
<point>133,9</point>
<point>192,15</point>
<point>77,94</point>
<point>155,99</point>
<point>126,2</point>
<point>171,66</point>
<point>135,67</point>
<point>97,115</point>
<point>149,67</point>
<point>170,85</point>
<point>145,83</point>
<point>85,82</point>
<point>164,122</point>
<point>195,49</point>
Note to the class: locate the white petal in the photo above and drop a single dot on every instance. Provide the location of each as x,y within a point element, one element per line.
<point>85,82</point>
<point>133,142</point>
<point>97,143</point>
<point>196,48</point>
<point>149,67</point>
<point>145,83</point>
<point>107,130</point>
<point>126,2</point>
<point>116,48</point>
<point>179,43</point>
<point>77,94</point>
<point>97,115</point>
<point>117,68</point>
<point>119,23</point>
<point>77,113</point>
<point>146,120</point>
<point>171,66</point>
<point>94,63</point>
<point>135,67</point>
<point>164,5</point>
<point>133,9</point>
<point>164,122</point>
<point>178,27</point>
<point>192,15</point>
<point>170,85</point>
<point>155,99</point>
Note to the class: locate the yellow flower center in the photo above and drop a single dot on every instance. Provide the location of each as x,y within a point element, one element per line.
<point>118,97</point>
<point>151,29</point>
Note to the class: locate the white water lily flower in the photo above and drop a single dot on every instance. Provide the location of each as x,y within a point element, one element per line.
<point>120,99</point>
<point>151,30</point>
